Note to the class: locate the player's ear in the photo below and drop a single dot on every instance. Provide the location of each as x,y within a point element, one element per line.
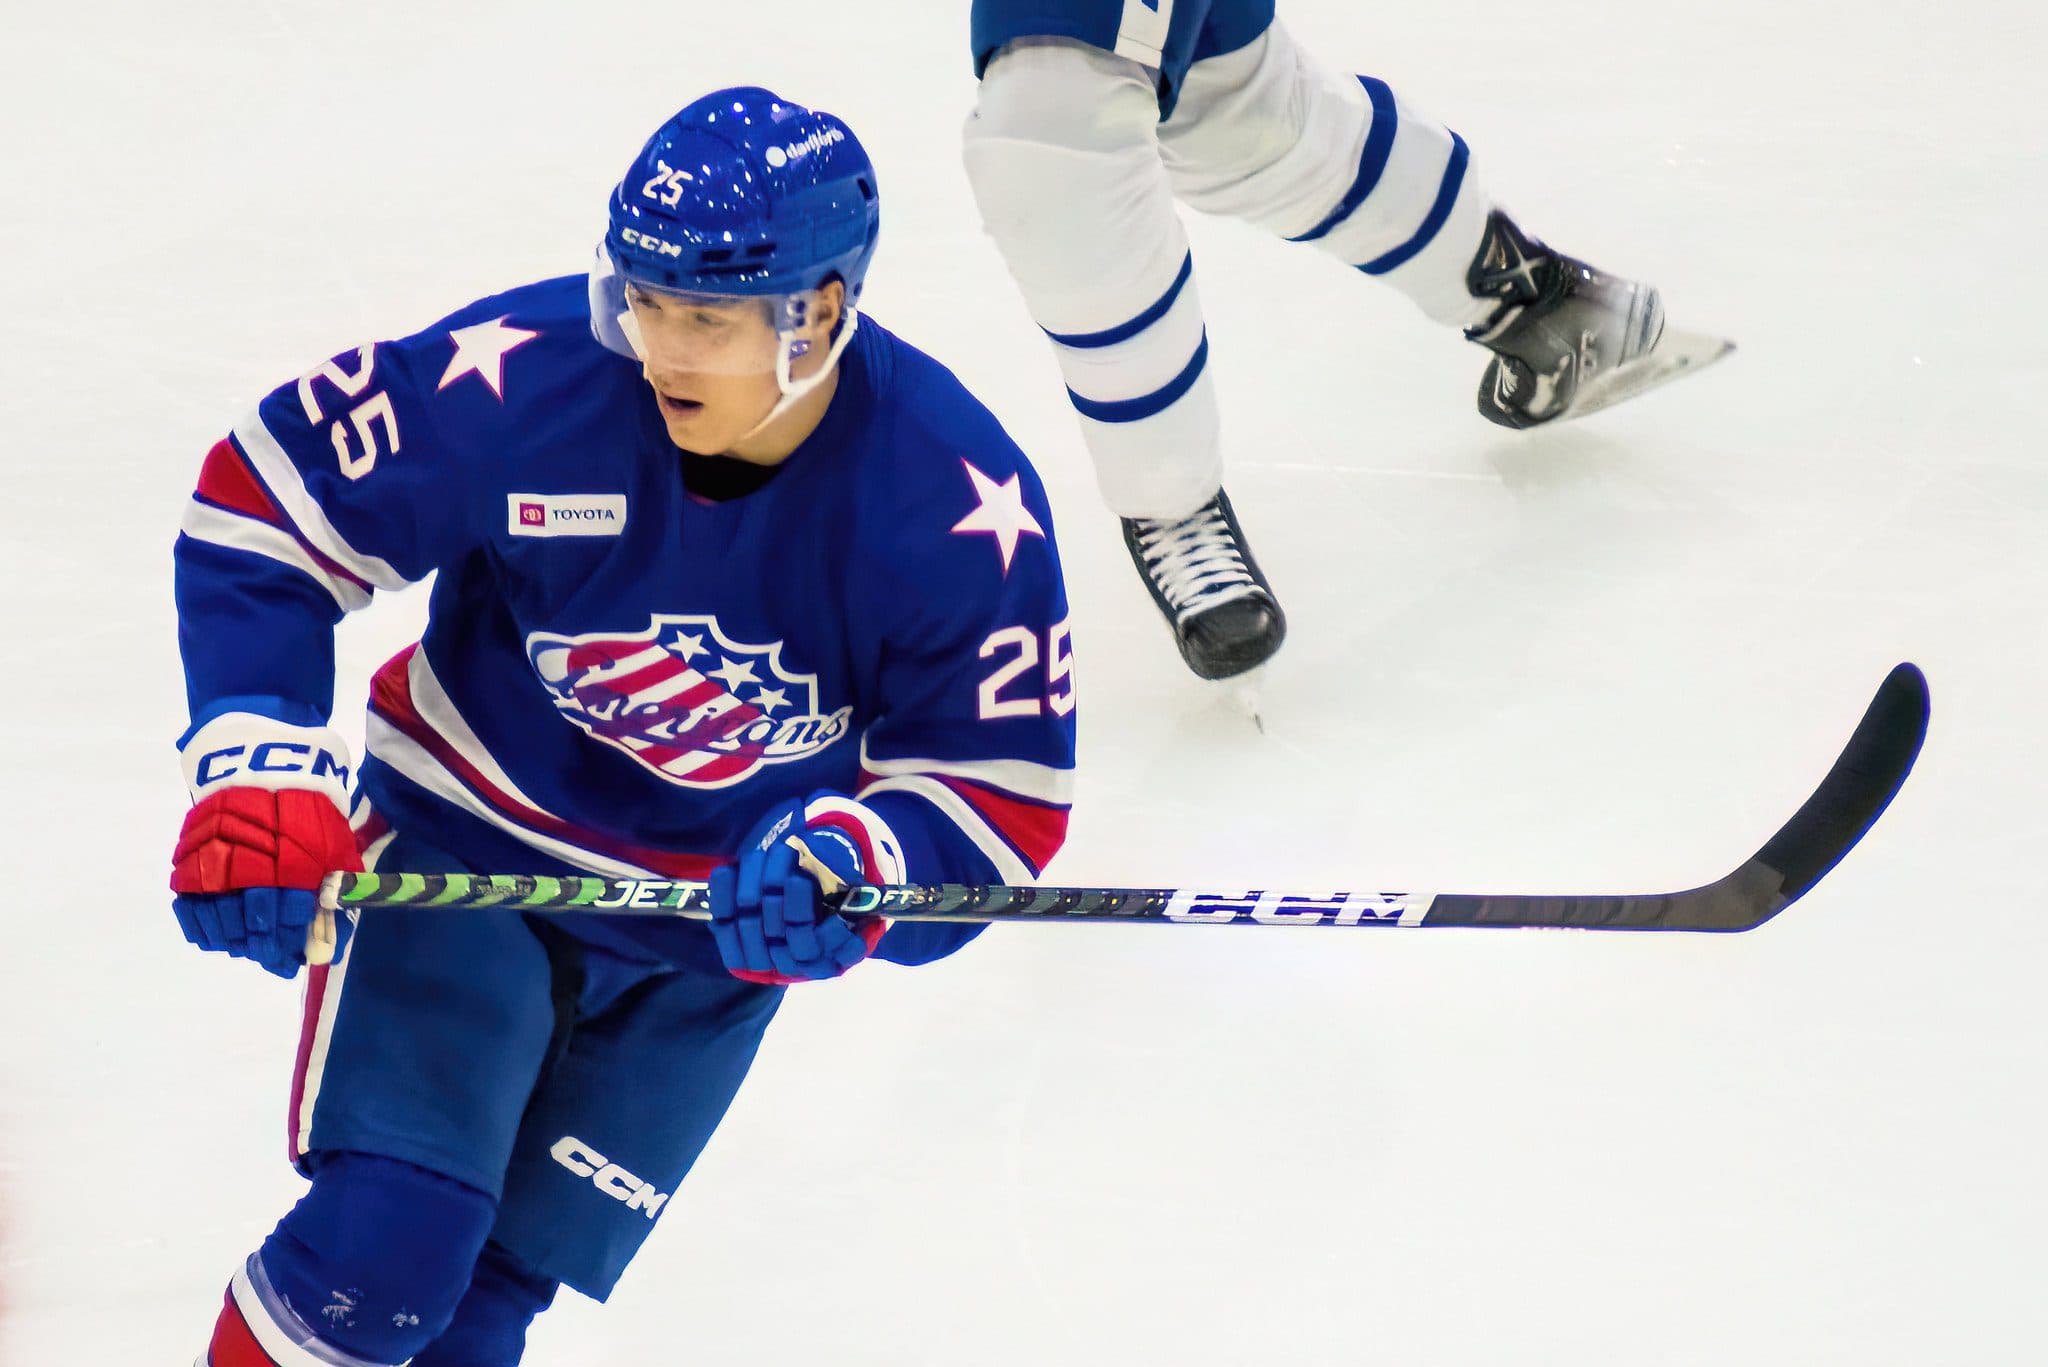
<point>831,308</point>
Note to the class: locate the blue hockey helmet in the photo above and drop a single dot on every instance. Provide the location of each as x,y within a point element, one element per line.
<point>741,194</point>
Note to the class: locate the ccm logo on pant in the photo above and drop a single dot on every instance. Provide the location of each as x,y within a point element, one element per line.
<point>607,1176</point>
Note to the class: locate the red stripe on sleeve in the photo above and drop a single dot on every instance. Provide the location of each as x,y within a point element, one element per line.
<point>1036,831</point>
<point>227,480</point>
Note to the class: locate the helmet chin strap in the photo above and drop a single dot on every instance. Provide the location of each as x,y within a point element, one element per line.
<point>792,389</point>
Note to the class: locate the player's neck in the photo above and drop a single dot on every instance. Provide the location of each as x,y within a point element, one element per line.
<point>777,441</point>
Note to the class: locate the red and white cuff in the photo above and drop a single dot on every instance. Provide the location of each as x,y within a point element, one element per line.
<point>881,853</point>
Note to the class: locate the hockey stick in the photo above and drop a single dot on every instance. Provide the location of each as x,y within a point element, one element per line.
<point>1855,792</point>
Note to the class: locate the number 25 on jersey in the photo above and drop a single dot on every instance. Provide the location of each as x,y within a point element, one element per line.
<point>1016,653</point>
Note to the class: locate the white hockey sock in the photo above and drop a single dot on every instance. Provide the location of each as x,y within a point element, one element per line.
<point>1267,135</point>
<point>1063,154</point>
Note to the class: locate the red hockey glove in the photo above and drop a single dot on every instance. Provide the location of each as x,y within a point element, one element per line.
<point>266,827</point>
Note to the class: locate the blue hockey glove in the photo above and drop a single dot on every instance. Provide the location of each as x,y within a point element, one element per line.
<point>768,909</point>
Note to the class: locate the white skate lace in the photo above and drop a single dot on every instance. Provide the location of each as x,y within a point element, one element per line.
<point>1195,561</point>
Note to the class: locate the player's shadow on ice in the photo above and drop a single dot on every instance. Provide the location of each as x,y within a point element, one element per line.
<point>1567,457</point>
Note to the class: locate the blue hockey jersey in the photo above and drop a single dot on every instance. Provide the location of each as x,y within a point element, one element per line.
<point>620,676</point>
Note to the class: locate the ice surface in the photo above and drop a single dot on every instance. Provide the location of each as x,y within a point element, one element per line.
<point>1611,656</point>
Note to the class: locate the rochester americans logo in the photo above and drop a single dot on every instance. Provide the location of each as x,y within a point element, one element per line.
<point>689,702</point>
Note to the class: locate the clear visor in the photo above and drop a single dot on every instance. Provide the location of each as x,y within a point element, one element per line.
<point>708,334</point>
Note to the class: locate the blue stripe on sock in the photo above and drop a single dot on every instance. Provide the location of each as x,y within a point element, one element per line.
<point>1372,162</point>
<point>1123,332</point>
<point>1446,196</point>
<point>1158,401</point>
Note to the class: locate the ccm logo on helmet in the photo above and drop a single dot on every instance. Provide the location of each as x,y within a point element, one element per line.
<point>635,238</point>
<point>607,1176</point>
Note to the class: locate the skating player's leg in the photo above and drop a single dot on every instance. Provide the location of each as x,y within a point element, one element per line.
<point>366,1269</point>
<point>1063,155</point>
<point>418,1055</point>
<point>1266,134</point>
<point>1263,132</point>
<point>490,1324</point>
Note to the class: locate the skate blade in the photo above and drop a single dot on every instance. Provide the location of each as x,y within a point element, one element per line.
<point>1245,693</point>
<point>1676,355</point>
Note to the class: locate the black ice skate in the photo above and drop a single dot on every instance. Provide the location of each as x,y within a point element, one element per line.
<point>1567,339</point>
<point>1208,588</point>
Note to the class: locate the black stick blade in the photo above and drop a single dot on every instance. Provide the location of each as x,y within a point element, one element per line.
<point>1849,800</point>
<point>1856,791</point>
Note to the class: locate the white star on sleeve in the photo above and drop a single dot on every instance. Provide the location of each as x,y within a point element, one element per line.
<point>768,699</point>
<point>480,350</point>
<point>999,512</point>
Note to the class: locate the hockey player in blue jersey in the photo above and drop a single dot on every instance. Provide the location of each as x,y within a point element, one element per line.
<point>731,582</point>
<point>1094,116</point>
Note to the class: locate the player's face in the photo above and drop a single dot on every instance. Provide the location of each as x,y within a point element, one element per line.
<point>711,363</point>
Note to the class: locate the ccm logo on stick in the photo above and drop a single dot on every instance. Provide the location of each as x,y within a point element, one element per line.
<point>1272,908</point>
<point>607,1176</point>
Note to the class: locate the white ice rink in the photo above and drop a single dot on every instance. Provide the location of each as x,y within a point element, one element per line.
<point>1609,657</point>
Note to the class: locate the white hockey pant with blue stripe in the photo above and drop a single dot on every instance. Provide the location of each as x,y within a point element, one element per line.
<point>1076,177</point>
